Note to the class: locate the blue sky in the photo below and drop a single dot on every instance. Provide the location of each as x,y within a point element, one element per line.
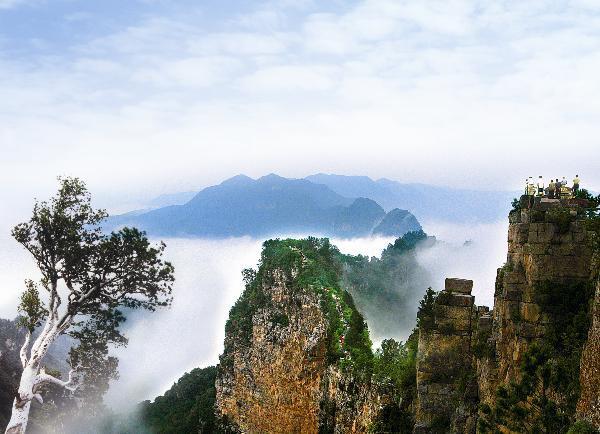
<point>146,97</point>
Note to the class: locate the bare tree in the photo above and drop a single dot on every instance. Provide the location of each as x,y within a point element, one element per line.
<point>86,277</point>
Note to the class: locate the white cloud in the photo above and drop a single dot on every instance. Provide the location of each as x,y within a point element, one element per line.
<point>290,78</point>
<point>484,252</point>
<point>190,333</point>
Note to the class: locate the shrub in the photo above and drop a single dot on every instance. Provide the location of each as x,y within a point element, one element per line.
<point>561,217</point>
<point>549,365</point>
<point>582,427</point>
<point>426,312</point>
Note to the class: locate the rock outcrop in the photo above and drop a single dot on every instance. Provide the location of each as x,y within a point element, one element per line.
<point>546,245</point>
<point>446,391</point>
<point>290,363</point>
<point>297,351</point>
<point>470,358</point>
<point>588,407</point>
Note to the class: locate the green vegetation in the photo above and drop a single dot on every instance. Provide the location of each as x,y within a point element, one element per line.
<point>395,375</point>
<point>186,407</point>
<point>516,204</point>
<point>308,264</point>
<point>561,217</point>
<point>482,348</point>
<point>594,201</point>
<point>426,313</point>
<point>385,288</point>
<point>582,427</point>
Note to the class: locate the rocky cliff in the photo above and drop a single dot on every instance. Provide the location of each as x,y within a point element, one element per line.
<point>298,356</point>
<point>297,352</point>
<point>530,363</point>
<point>446,390</point>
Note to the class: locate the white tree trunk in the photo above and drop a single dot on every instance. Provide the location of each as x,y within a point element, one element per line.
<point>19,418</point>
<point>32,378</point>
<point>22,403</point>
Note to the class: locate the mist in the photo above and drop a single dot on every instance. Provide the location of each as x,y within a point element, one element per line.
<point>466,251</point>
<point>164,345</point>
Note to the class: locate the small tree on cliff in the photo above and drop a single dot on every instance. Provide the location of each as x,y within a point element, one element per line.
<point>86,278</point>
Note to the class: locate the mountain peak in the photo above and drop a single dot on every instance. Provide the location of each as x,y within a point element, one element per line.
<point>272,177</point>
<point>240,179</point>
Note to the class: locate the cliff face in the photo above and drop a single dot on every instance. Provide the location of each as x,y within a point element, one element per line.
<point>546,245</point>
<point>297,352</point>
<point>588,407</point>
<point>281,370</point>
<point>291,361</point>
<point>519,367</point>
<point>446,391</point>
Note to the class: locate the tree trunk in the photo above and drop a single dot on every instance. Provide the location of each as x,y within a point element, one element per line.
<point>30,378</point>
<point>22,402</point>
<point>19,418</point>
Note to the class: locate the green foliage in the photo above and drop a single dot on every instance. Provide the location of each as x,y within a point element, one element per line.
<point>582,427</point>
<point>357,341</point>
<point>307,264</point>
<point>537,216</point>
<point>101,272</point>
<point>440,424</point>
<point>516,204</point>
<point>384,287</point>
<point>395,375</point>
<point>561,217</point>
<point>482,347</point>
<point>31,309</point>
<point>426,313</point>
<point>594,201</point>
<point>187,407</point>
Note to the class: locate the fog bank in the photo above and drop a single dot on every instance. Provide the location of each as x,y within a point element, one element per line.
<point>466,251</point>
<point>165,344</point>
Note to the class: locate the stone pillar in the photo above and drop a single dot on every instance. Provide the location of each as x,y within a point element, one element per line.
<point>444,361</point>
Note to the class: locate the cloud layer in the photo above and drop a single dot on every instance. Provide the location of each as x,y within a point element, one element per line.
<point>190,334</point>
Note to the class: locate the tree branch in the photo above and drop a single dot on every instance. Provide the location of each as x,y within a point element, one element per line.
<point>44,378</point>
<point>24,348</point>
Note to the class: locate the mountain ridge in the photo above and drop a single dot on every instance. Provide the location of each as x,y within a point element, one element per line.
<point>268,206</point>
<point>426,202</point>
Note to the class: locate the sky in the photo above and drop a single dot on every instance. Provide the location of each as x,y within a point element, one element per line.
<point>143,97</point>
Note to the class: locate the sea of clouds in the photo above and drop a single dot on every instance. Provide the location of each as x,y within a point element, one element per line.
<point>190,334</point>
<point>165,344</point>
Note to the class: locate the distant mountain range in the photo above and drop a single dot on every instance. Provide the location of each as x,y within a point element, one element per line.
<point>270,206</point>
<point>426,202</point>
